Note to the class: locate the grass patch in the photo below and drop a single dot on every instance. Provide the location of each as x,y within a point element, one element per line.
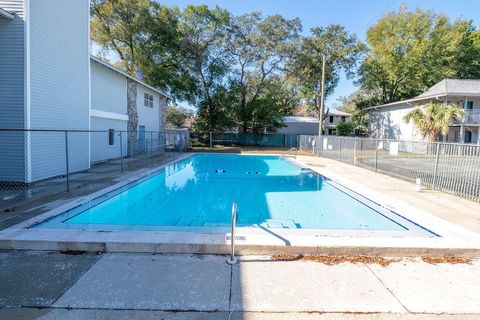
<point>451,260</point>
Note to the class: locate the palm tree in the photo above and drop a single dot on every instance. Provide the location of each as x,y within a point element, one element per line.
<point>434,119</point>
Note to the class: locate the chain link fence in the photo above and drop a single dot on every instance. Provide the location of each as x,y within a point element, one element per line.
<point>449,167</point>
<point>36,165</point>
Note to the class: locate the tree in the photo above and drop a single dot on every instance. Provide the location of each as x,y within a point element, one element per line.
<point>144,35</point>
<point>259,49</point>
<point>344,128</point>
<point>354,104</point>
<point>176,115</point>
<point>342,51</point>
<point>410,51</point>
<point>434,119</point>
<point>204,32</point>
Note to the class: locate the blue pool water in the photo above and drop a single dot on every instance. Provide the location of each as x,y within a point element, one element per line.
<point>271,192</point>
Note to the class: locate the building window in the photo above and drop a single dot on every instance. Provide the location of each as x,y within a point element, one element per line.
<point>469,105</point>
<point>344,119</point>
<point>331,119</point>
<point>148,100</point>
<point>111,137</point>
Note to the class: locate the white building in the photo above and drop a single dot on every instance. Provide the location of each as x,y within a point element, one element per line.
<point>49,81</point>
<point>333,117</point>
<point>309,125</point>
<point>386,121</point>
<point>299,125</point>
<point>112,92</point>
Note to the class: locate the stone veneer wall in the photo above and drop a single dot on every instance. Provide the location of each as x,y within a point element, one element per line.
<point>132,125</point>
<point>162,113</point>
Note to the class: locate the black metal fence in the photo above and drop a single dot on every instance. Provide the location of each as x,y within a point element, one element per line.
<point>450,167</point>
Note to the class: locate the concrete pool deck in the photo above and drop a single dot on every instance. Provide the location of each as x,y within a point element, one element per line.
<point>51,286</point>
<point>455,240</point>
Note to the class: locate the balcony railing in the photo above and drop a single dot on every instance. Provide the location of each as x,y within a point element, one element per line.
<point>471,117</point>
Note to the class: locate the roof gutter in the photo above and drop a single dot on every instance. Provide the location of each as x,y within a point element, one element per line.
<point>6,14</point>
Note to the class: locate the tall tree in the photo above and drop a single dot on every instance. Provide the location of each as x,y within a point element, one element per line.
<point>144,36</point>
<point>259,49</point>
<point>204,32</point>
<point>410,51</point>
<point>342,51</point>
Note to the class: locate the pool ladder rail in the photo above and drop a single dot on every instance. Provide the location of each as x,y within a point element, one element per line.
<point>285,153</point>
<point>231,260</point>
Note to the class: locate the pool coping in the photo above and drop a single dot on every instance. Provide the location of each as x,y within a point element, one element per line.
<point>454,240</point>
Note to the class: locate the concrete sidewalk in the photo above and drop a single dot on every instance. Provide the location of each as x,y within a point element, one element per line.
<point>42,285</point>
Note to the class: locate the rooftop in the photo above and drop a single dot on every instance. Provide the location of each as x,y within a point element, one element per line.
<point>446,87</point>
<point>4,14</point>
<point>294,119</point>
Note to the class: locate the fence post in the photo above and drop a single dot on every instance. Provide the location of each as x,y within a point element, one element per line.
<point>285,140</point>
<point>151,148</point>
<point>340,149</point>
<point>376,154</point>
<point>66,161</point>
<point>121,152</point>
<point>435,172</point>
<point>355,152</point>
<point>210,138</point>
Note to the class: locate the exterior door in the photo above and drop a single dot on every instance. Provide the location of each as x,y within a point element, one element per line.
<point>141,139</point>
<point>468,136</point>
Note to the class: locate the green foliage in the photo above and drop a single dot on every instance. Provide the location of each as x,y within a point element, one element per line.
<point>176,116</point>
<point>144,35</point>
<point>433,119</point>
<point>342,51</point>
<point>344,128</point>
<point>247,72</point>
<point>410,51</point>
<point>259,49</point>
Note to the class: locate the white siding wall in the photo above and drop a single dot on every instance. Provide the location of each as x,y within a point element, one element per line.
<point>307,128</point>
<point>12,106</point>
<point>388,123</point>
<point>109,93</point>
<point>58,54</point>
<point>109,89</point>
<point>148,117</point>
<point>336,119</point>
<point>100,149</point>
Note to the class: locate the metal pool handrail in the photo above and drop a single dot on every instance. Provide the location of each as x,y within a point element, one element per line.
<point>232,259</point>
<point>291,149</point>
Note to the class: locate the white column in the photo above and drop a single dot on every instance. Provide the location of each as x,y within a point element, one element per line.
<point>462,134</point>
<point>478,136</point>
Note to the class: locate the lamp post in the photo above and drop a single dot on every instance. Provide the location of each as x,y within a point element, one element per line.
<point>322,96</point>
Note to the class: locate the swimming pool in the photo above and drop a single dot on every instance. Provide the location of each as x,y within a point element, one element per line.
<point>198,192</point>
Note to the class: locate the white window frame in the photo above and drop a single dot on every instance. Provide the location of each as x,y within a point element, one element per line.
<point>148,100</point>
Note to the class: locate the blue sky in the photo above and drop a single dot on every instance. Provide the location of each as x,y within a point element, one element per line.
<point>355,15</point>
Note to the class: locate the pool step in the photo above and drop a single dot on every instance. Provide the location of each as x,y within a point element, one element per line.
<point>285,224</point>
<point>189,222</point>
<point>220,222</point>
